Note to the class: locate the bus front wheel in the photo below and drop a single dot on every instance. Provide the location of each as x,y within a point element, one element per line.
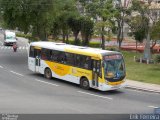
<point>84,83</point>
<point>48,73</point>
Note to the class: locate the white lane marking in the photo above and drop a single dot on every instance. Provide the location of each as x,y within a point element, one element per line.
<point>153,106</point>
<point>46,82</point>
<point>16,73</point>
<point>6,47</point>
<point>95,95</point>
<point>1,67</point>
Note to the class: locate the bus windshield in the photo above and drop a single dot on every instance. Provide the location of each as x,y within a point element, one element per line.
<point>114,68</point>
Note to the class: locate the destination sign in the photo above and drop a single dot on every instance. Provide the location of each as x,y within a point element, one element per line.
<point>112,57</point>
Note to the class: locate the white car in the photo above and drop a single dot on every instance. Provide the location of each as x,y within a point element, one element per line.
<point>9,38</point>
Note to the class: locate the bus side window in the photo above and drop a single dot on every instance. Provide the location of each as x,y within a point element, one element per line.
<point>62,58</point>
<point>69,58</point>
<point>31,53</point>
<point>58,56</point>
<point>54,56</point>
<point>43,55</point>
<point>46,54</point>
<point>78,61</point>
<point>83,61</point>
<point>87,62</point>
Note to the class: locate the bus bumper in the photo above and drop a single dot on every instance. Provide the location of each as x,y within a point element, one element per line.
<point>105,87</point>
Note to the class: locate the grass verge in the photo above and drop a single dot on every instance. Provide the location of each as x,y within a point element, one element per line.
<point>149,73</point>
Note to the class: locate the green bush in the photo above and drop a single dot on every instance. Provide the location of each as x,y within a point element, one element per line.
<point>157,58</point>
<point>28,36</point>
<point>33,39</point>
<point>113,49</point>
<point>20,35</point>
<point>94,44</point>
<point>71,42</point>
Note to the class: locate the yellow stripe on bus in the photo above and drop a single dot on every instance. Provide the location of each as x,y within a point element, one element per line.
<point>59,69</point>
<point>36,47</point>
<point>115,83</point>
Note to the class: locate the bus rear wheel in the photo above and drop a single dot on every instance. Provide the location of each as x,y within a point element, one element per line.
<point>48,73</point>
<point>84,83</point>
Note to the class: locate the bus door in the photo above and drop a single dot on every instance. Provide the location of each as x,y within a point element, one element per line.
<point>37,53</point>
<point>95,72</point>
<point>31,59</point>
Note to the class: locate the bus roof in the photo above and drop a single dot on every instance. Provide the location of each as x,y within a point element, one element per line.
<point>95,52</point>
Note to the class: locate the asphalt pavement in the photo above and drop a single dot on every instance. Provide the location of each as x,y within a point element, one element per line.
<point>22,91</point>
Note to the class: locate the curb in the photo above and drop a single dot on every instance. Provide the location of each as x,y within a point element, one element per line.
<point>142,89</point>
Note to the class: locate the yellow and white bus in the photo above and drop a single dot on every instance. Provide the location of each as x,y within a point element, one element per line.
<point>90,67</point>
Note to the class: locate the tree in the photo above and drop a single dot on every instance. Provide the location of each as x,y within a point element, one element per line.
<point>145,11</point>
<point>102,11</point>
<point>155,35</point>
<point>137,28</point>
<point>41,16</point>
<point>74,23</point>
<point>86,30</point>
<point>27,14</point>
<point>139,36</point>
<point>120,14</point>
<point>67,9</point>
<point>55,29</point>
<point>12,12</point>
<point>103,28</point>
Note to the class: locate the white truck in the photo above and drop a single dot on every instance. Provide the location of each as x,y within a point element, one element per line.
<point>9,38</point>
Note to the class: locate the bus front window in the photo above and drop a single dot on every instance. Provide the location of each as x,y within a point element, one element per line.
<point>114,69</point>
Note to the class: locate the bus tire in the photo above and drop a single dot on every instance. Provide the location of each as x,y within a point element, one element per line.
<point>48,73</point>
<point>84,83</point>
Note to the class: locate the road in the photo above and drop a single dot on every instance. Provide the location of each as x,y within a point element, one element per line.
<point>22,91</point>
